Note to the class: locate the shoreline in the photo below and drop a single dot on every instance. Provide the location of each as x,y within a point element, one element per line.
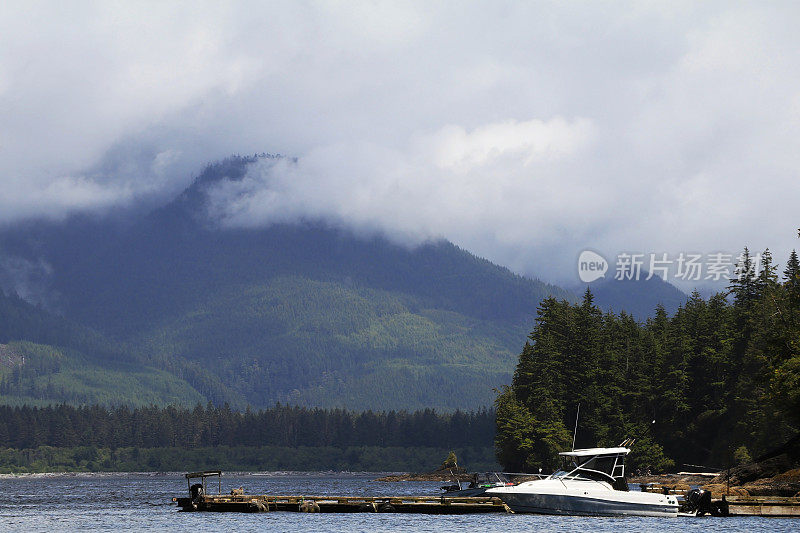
<point>661,479</point>
<point>232,473</point>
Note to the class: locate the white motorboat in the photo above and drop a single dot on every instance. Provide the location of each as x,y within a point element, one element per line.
<point>593,484</point>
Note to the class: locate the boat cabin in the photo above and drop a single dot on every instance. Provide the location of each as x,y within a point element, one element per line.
<point>596,464</point>
<point>199,489</point>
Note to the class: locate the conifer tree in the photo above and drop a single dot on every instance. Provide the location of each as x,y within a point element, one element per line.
<point>791,277</point>
<point>742,285</point>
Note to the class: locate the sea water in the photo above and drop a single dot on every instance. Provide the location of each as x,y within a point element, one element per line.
<point>143,502</point>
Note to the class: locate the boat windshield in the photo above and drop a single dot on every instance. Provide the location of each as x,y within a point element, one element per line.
<point>604,464</point>
<point>578,474</point>
<point>598,468</point>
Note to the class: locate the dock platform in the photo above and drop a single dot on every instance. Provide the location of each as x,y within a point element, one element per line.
<point>246,503</point>
<point>738,505</point>
<point>763,506</point>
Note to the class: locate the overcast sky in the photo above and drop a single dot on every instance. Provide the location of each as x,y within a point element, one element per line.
<point>524,132</point>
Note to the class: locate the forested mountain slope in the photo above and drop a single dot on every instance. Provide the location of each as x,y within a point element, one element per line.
<point>295,312</point>
<point>637,297</point>
<point>45,358</point>
<point>300,313</point>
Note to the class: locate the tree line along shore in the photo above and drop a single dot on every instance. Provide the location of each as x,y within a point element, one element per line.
<point>96,438</point>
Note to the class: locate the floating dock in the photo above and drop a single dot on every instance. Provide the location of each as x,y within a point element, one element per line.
<point>199,499</point>
<point>245,503</point>
<point>763,506</point>
<point>737,505</point>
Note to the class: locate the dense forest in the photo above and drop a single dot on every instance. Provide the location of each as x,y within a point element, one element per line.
<point>65,425</point>
<point>64,437</point>
<point>46,358</point>
<point>717,382</point>
<point>240,458</point>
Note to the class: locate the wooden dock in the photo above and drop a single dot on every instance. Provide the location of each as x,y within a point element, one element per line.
<point>246,503</point>
<point>199,499</point>
<point>763,506</point>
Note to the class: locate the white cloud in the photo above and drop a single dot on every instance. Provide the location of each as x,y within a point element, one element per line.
<point>460,150</point>
<point>525,132</point>
<point>447,183</point>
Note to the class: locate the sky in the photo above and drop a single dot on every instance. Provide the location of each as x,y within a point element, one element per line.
<point>525,132</point>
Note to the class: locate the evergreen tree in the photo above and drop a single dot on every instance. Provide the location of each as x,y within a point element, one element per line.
<point>791,276</point>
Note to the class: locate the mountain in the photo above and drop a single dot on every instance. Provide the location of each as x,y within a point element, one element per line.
<point>300,313</point>
<point>637,297</point>
<point>61,360</point>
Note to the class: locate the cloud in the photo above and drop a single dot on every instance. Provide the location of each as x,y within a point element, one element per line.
<point>525,132</point>
<point>30,280</point>
<point>440,185</point>
<point>457,149</point>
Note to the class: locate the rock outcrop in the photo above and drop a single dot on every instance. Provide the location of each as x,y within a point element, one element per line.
<point>776,473</point>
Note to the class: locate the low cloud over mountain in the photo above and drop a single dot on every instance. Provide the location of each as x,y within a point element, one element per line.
<point>522,132</point>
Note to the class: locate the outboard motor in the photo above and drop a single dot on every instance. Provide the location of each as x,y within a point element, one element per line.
<point>698,501</point>
<point>196,491</point>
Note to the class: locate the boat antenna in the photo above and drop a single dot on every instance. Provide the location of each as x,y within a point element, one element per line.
<point>575,433</point>
<point>455,476</point>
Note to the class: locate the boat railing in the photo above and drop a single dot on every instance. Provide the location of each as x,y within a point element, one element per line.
<point>524,476</point>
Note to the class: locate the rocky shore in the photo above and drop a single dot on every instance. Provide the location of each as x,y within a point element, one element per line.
<point>774,474</point>
<point>680,481</point>
<point>442,474</point>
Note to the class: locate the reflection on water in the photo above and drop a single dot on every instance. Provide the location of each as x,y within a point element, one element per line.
<point>144,502</point>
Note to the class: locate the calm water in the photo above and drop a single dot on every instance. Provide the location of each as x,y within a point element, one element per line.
<point>138,502</point>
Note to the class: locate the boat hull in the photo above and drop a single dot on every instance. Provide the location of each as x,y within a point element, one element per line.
<point>586,498</point>
<point>583,506</point>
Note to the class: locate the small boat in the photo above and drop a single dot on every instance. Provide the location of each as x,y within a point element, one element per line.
<point>592,484</point>
<point>480,483</point>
